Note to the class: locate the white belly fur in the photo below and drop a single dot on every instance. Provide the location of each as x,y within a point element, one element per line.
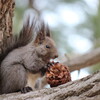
<point>31,79</point>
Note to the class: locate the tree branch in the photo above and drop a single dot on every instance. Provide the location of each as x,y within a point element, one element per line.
<point>85,60</point>
<point>87,88</point>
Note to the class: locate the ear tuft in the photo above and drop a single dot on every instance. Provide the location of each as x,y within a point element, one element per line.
<point>40,33</point>
<point>48,31</point>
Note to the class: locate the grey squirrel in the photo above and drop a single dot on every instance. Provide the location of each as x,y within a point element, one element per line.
<point>23,59</point>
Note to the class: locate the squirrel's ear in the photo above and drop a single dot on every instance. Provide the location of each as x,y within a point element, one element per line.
<point>48,32</point>
<point>40,35</point>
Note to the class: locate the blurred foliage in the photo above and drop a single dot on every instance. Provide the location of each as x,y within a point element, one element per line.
<point>88,28</point>
<point>92,23</point>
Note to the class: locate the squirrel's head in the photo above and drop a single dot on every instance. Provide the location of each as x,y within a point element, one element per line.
<point>45,45</point>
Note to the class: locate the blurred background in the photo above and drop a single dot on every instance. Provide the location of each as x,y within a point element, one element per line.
<point>74,25</point>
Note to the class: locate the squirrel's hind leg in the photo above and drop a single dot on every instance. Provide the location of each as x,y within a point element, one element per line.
<point>13,78</point>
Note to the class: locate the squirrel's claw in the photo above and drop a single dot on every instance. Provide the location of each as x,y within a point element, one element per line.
<point>49,64</point>
<point>26,89</point>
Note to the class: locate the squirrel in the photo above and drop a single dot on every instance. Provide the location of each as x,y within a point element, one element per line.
<point>25,58</point>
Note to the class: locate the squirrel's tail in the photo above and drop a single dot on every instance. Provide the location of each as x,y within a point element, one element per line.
<point>18,40</point>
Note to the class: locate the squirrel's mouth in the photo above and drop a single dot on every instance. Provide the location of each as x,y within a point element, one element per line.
<point>51,60</point>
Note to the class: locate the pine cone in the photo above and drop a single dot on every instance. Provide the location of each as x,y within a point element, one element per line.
<point>57,74</point>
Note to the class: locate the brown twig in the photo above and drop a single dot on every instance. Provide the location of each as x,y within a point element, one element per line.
<point>85,60</point>
<point>32,5</point>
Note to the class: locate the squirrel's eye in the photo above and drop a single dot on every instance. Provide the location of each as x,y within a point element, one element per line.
<point>47,46</point>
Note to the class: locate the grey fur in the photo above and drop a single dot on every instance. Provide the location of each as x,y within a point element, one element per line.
<point>18,40</point>
<point>26,57</point>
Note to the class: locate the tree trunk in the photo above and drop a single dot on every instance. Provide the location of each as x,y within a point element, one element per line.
<point>87,88</point>
<point>6,14</point>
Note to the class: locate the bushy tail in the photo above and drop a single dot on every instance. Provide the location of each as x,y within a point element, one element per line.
<point>18,40</point>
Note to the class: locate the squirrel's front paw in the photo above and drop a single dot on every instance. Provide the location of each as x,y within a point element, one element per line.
<point>26,89</point>
<point>51,63</point>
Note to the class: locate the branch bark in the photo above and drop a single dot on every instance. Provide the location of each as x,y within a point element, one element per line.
<point>85,60</point>
<point>87,88</point>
